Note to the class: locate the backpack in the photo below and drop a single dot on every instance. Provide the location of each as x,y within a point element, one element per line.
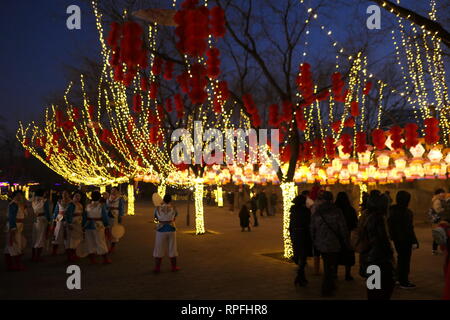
<point>440,235</point>
<point>359,239</point>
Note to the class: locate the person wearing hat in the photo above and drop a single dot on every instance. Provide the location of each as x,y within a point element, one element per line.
<point>41,209</point>
<point>116,208</point>
<point>165,239</point>
<point>96,226</point>
<point>14,230</point>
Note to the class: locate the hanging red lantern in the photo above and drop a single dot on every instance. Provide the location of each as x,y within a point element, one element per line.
<point>336,126</point>
<point>349,122</point>
<point>330,147</point>
<point>379,139</point>
<point>217,20</point>
<point>367,88</point>
<point>137,103</point>
<point>346,142</point>
<point>273,115</point>
<point>319,149</point>
<point>168,70</point>
<point>361,143</point>
<point>431,131</point>
<point>354,108</point>
<point>153,90</point>
<point>411,135</point>
<point>396,137</point>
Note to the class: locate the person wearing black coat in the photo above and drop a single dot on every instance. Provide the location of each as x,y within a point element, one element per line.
<point>299,228</point>
<point>380,252</point>
<point>351,220</point>
<point>401,230</point>
<point>244,218</point>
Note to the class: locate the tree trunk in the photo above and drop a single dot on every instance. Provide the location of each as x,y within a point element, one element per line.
<point>288,193</point>
<point>130,199</point>
<point>198,206</point>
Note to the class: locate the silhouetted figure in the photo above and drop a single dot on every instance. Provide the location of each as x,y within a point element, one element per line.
<point>401,230</point>
<point>380,252</point>
<point>299,228</point>
<point>329,234</point>
<point>351,220</point>
<point>244,218</point>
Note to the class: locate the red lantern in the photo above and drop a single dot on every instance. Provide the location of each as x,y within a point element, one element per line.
<point>431,130</point>
<point>354,109</point>
<point>330,147</point>
<point>361,144</point>
<point>379,139</point>
<point>396,137</point>
<point>346,142</point>
<point>411,135</point>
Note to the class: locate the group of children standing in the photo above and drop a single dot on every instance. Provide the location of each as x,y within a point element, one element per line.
<point>71,223</point>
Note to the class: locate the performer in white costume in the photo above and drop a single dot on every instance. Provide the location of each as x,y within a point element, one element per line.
<point>74,219</point>
<point>96,226</point>
<point>165,240</point>
<point>116,209</point>
<point>41,209</point>
<point>59,230</point>
<point>14,230</point>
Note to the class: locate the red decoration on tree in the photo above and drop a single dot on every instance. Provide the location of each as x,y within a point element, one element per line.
<point>337,87</point>
<point>431,130</point>
<point>213,63</point>
<point>169,106</point>
<point>396,137</point>
<point>349,123</point>
<point>336,126</point>
<point>354,109</point>
<point>179,105</point>
<point>168,70</point>
<point>379,139</point>
<point>249,104</point>
<point>137,103</point>
<point>76,113</point>
<point>223,89</point>
<point>217,20</point>
<point>157,66</point>
<point>305,83</point>
<point>288,110</point>
<point>330,147</point>
<point>367,88</point>
<point>144,84</point>
<point>91,112</point>
<point>153,90</point>
<point>361,143</point>
<point>411,135</point>
<point>307,150</point>
<point>346,142</point>
<point>273,115</point>
<point>198,83</point>
<point>300,119</point>
<point>319,149</point>
<point>183,81</point>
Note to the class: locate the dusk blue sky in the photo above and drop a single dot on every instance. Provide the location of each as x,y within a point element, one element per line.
<point>36,45</point>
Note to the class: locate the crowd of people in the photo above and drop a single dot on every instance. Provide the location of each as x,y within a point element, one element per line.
<point>322,227</point>
<point>68,221</point>
<point>259,204</point>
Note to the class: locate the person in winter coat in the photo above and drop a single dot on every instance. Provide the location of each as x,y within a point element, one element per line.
<point>380,252</point>
<point>299,229</point>
<point>351,220</point>
<point>437,208</point>
<point>329,234</point>
<point>254,209</point>
<point>244,218</point>
<point>401,230</point>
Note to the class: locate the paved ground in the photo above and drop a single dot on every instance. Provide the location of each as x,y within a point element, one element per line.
<point>228,265</point>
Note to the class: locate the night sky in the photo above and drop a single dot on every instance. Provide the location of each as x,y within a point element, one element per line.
<point>36,47</point>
